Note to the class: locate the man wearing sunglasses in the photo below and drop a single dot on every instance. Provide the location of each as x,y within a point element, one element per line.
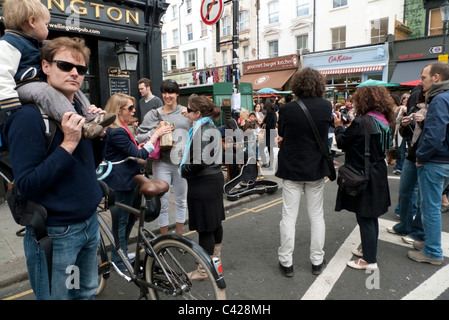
<point>62,179</point>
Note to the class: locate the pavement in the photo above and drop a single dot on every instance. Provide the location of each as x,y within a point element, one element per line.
<point>12,258</point>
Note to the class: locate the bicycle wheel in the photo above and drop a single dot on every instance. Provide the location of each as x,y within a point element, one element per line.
<point>178,259</point>
<point>103,267</point>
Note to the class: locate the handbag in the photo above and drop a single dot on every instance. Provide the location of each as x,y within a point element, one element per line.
<point>352,181</point>
<point>394,149</point>
<point>156,154</point>
<point>324,151</point>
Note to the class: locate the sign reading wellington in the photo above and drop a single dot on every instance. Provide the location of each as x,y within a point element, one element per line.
<point>211,11</point>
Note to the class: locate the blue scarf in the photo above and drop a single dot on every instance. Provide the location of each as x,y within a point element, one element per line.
<point>198,124</point>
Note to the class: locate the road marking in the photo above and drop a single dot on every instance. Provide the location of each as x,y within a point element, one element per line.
<point>430,289</point>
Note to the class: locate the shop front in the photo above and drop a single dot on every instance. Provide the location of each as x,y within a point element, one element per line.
<point>106,26</point>
<point>344,69</point>
<point>411,55</point>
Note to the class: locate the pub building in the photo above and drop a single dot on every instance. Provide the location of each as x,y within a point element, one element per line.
<point>129,29</point>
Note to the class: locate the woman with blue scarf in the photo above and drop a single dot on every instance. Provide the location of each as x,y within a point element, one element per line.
<point>201,167</point>
<point>375,104</point>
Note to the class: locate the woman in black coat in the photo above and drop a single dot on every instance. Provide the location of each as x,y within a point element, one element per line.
<point>269,122</point>
<point>375,104</point>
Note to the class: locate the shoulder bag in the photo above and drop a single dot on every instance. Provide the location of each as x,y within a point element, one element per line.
<point>324,151</point>
<point>352,181</point>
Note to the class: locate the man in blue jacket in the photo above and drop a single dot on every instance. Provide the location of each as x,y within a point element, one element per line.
<point>432,162</point>
<point>62,179</point>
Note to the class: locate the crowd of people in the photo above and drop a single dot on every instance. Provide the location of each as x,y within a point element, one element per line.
<point>62,177</point>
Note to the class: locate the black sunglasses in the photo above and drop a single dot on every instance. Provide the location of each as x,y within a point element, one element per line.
<point>67,67</point>
<point>190,110</point>
<point>129,108</point>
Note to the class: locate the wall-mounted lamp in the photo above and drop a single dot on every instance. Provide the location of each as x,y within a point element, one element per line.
<point>127,56</point>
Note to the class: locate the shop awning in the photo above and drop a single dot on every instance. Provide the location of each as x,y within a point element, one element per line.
<point>409,71</point>
<point>273,79</point>
<point>351,70</point>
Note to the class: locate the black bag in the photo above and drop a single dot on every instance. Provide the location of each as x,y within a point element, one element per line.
<point>152,205</point>
<point>350,180</point>
<point>324,151</point>
<point>394,152</point>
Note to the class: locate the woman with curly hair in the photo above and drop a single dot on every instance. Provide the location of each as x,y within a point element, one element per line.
<point>302,167</point>
<point>373,107</point>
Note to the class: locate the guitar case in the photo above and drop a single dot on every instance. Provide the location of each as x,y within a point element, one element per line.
<point>246,183</point>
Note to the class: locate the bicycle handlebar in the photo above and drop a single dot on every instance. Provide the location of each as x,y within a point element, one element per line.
<point>107,165</point>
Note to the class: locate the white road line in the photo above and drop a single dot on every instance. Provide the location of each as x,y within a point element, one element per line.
<point>428,290</point>
<point>326,281</point>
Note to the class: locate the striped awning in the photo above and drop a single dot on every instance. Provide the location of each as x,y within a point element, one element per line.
<point>351,70</point>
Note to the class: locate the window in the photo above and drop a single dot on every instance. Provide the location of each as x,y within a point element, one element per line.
<point>302,7</point>
<point>302,42</point>
<point>203,29</point>
<point>340,3</point>
<point>173,64</point>
<point>164,64</point>
<point>245,53</point>
<point>190,58</point>
<point>226,26</point>
<point>379,30</point>
<point>175,12</point>
<point>435,22</point>
<point>176,37</point>
<point>164,40</point>
<point>339,38</point>
<point>224,55</point>
<point>189,32</point>
<point>244,20</point>
<point>273,12</point>
<point>273,49</point>
<point>189,6</point>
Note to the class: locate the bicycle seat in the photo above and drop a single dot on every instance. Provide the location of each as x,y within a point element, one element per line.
<point>151,188</point>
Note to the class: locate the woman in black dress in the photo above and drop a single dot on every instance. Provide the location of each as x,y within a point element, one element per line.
<point>201,166</point>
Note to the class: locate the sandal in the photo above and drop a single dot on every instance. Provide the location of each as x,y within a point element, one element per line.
<point>361,264</point>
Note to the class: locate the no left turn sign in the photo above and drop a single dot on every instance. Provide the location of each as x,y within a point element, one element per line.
<point>211,11</point>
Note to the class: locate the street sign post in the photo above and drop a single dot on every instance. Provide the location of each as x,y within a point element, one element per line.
<point>211,11</point>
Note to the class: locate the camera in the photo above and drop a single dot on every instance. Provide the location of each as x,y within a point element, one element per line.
<point>345,116</point>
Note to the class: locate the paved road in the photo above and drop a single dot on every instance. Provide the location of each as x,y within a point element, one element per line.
<point>252,272</point>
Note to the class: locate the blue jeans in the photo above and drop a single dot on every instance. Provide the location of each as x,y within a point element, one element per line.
<point>402,150</point>
<point>411,223</point>
<point>126,222</point>
<point>433,178</point>
<point>74,268</point>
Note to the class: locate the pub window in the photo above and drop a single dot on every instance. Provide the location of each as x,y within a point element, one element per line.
<point>273,49</point>
<point>339,38</point>
<point>189,6</point>
<point>435,22</point>
<point>302,7</point>
<point>379,30</point>
<point>340,3</point>
<point>226,29</point>
<point>302,42</point>
<point>244,20</point>
<point>190,58</point>
<point>273,12</point>
<point>189,32</point>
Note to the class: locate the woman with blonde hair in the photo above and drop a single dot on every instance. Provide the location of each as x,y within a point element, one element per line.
<point>121,144</point>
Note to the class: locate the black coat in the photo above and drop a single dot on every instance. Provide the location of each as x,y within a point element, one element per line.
<point>299,157</point>
<point>375,201</point>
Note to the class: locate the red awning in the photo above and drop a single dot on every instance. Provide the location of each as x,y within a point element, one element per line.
<point>351,70</point>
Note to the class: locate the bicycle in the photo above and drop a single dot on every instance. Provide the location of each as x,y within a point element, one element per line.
<point>161,263</point>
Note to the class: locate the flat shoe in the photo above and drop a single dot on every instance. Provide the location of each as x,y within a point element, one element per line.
<point>358,253</point>
<point>356,264</point>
